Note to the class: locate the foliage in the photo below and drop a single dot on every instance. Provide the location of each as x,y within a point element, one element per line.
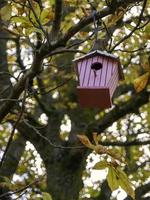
<point>42,123</point>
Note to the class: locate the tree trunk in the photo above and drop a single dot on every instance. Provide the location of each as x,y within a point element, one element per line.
<point>64,174</point>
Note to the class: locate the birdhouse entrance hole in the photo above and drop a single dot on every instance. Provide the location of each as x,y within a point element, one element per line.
<point>96,66</point>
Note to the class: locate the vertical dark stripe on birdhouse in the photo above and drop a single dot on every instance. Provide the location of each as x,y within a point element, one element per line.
<point>106,72</point>
<point>81,75</point>
<point>85,64</point>
<point>103,73</point>
<point>95,72</point>
<point>78,68</point>
<point>102,60</point>
<point>87,72</point>
<point>109,71</point>
<point>90,72</point>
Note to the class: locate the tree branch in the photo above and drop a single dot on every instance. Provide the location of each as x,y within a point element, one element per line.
<point>57,19</point>
<point>15,125</point>
<point>125,144</point>
<point>135,28</point>
<point>119,111</point>
<point>20,86</point>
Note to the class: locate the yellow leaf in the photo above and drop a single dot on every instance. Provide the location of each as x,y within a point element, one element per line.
<point>85,140</point>
<point>111,20</point>
<point>146,67</point>
<point>141,82</point>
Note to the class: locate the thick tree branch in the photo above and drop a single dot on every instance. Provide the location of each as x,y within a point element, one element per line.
<point>20,86</point>
<point>131,106</point>
<point>57,19</point>
<point>15,125</point>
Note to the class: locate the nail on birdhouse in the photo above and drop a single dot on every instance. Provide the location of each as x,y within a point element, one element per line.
<point>98,76</point>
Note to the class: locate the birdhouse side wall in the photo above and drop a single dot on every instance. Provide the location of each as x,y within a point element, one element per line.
<point>113,82</point>
<point>107,71</point>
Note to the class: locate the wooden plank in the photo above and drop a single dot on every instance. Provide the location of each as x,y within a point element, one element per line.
<point>87,72</point>
<point>82,72</point>
<point>109,71</point>
<point>78,69</point>
<point>91,76</point>
<point>98,73</point>
<point>104,70</point>
<point>113,82</point>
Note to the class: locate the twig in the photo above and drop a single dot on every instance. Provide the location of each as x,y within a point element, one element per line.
<point>81,42</point>
<point>49,141</point>
<point>24,192</point>
<point>125,144</point>
<point>134,29</point>
<point>142,26</point>
<point>58,86</point>
<point>15,125</point>
<point>61,51</point>
<point>108,33</point>
<point>7,73</point>
<point>22,189</point>
<point>132,51</point>
<point>21,4</point>
<point>6,99</point>
<point>38,21</point>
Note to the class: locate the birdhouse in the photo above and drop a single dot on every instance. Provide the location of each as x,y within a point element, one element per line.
<point>98,75</point>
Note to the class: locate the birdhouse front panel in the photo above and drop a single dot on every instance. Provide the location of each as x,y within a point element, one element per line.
<point>95,72</point>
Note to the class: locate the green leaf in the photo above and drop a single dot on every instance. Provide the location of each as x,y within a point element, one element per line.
<point>112,179</point>
<point>125,183</point>
<point>45,16</point>
<point>6,12</point>
<point>21,19</point>
<point>46,196</point>
<point>101,165</point>
<point>37,11</point>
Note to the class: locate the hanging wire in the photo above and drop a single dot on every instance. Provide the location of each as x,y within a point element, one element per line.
<point>98,22</point>
<point>95,25</point>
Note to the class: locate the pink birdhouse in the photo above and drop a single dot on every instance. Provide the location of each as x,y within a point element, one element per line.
<point>98,76</point>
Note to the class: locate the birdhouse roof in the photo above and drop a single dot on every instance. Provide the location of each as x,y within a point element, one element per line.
<point>105,54</point>
<point>95,53</point>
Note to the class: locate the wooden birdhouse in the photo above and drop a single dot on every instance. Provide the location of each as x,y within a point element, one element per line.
<point>98,75</point>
